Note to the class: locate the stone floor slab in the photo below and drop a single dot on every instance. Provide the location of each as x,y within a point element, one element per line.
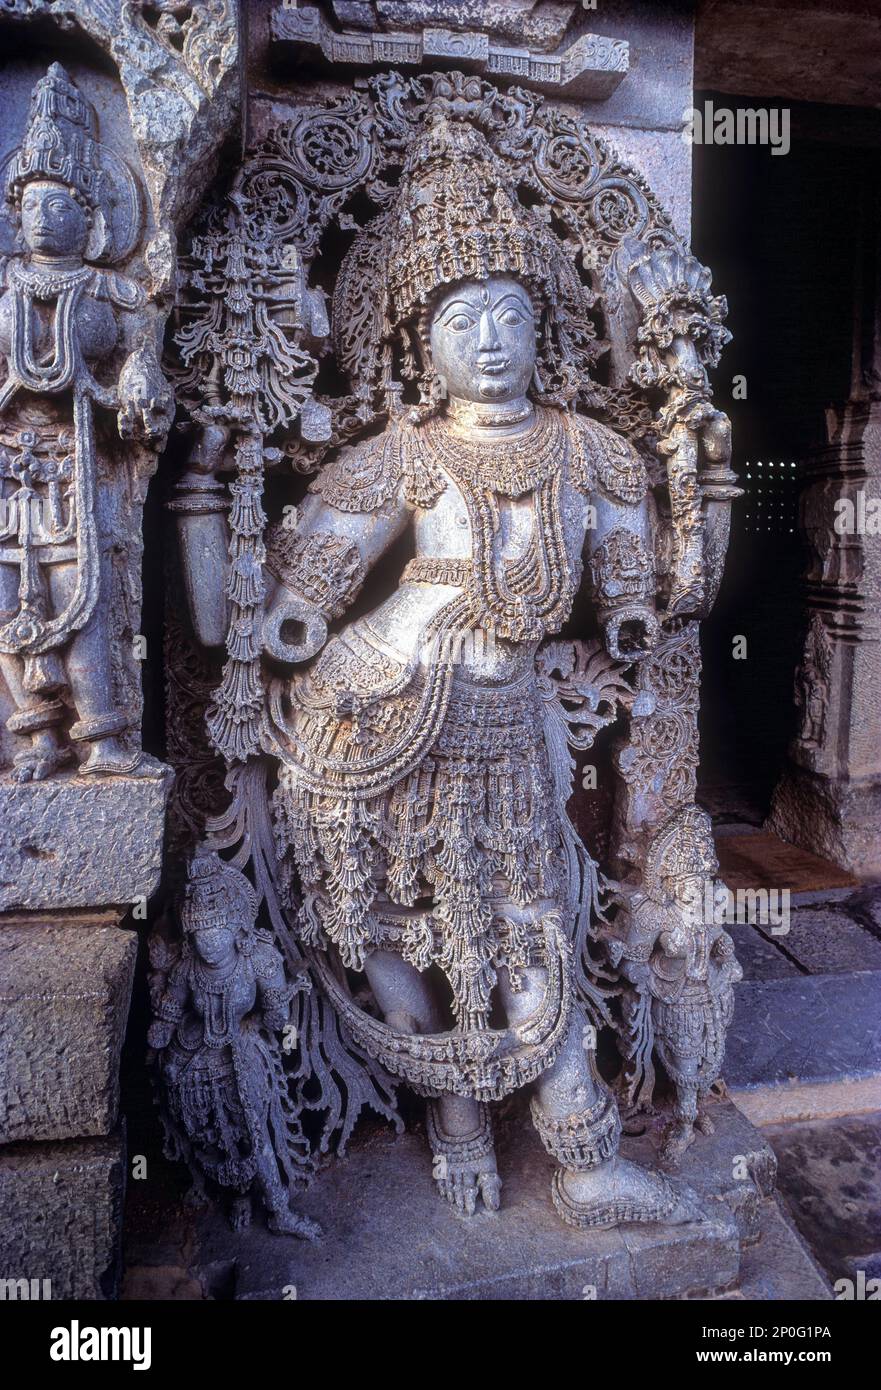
<point>799,1048</point>
<point>829,1183</point>
<point>387,1235</point>
<point>763,860</point>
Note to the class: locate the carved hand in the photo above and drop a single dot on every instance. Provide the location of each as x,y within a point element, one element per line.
<point>310,628</point>
<point>159,1034</point>
<point>209,453</point>
<point>146,401</point>
<point>715,437</point>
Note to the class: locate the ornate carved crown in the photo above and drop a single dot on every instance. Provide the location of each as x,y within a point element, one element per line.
<point>457,217</point>
<point>216,894</point>
<point>684,847</point>
<point>59,142</point>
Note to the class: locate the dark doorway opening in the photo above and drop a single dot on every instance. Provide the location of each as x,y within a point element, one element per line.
<point>778,233</point>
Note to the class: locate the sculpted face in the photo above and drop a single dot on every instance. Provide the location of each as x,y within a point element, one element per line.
<point>215,944</point>
<point>483,339</point>
<point>53,223</point>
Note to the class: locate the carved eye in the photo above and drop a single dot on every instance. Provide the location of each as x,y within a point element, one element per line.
<point>460,323</point>
<point>511,316</point>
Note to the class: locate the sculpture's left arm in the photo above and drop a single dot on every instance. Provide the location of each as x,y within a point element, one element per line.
<point>619,550</point>
<point>145,399</point>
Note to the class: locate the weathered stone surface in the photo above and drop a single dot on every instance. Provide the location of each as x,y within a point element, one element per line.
<point>779,1266</point>
<point>386,1236</point>
<point>827,941</point>
<point>769,48</point>
<point>829,1183</point>
<point>799,1048</point>
<point>761,958</point>
<point>61,1215</point>
<point>78,842</point>
<point>591,66</point>
<point>64,1000</point>
<point>760,859</point>
<point>837,818</point>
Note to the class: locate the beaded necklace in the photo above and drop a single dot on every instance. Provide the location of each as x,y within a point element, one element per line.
<point>531,595</point>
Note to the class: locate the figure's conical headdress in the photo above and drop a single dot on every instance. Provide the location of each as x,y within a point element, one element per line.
<point>59,143</point>
<point>457,217</point>
<point>683,847</point>
<point>216,894</point>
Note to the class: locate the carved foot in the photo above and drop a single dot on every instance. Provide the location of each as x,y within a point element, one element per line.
<point>289,1223</point>
<point>240,1214</point>
<point>704,1124</point>
<point>677,1138</point>
<point>464,1165</point>
<point>39,763</point>
<point>109,757</point>
<point>618,1192</point>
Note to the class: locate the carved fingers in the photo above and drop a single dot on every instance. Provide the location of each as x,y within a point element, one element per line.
<point>716,437</point>
<point>631,633</point>
<point>146,401</point>
<point>209,452</point>
<point>287,612</point>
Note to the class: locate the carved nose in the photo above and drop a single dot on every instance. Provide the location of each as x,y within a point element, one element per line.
<point>489,338</point>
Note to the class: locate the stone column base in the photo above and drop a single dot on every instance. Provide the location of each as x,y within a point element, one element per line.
<point>840,820</point>
<point>61,1218</point>
<point>65,988</point>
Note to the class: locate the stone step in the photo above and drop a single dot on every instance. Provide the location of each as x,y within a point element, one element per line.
<point>805,1047</point>
<point>387,1234</point>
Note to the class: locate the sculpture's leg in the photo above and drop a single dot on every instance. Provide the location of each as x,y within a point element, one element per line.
<point>679,1134</point>
<point>89,674</point>
<point>276,1198</point>
<point>577,1120</point>
<point>34,685</point>
<point>257,1101</point>
<point>459,1128</point>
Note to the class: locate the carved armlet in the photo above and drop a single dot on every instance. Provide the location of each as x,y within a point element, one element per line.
<point>198,497</point>
<point>602,458</point>
<point>170,1010</point>
<point>366,477</point>
<point>323,568</point>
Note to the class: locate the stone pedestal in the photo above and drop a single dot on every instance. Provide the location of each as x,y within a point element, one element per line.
<point>64,999</point>
<point>76,842</point>
<point>61,1216</point>
<point>387,1234</point>
<point>66,972</point>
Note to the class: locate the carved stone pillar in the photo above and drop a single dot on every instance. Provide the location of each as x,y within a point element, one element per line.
<point>97,174</point>
<point>829,797</point>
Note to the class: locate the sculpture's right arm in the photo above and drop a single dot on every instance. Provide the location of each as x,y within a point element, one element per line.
<point>316,563</point>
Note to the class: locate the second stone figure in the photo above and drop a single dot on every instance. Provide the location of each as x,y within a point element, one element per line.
<point>420,816</point>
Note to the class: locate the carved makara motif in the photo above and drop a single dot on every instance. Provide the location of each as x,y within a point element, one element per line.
<point>74,336</point>
<point>417,828</point>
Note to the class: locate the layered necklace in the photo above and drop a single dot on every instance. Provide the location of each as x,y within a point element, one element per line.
<point>523,598</point>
